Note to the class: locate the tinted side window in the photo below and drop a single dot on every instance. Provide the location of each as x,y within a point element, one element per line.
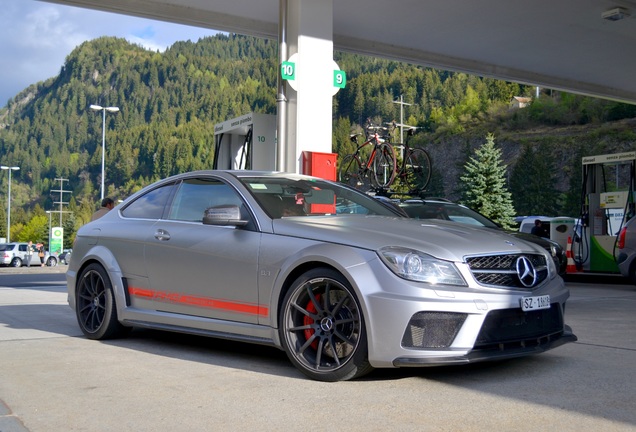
<point>149,205</point>
<point>196,195</point>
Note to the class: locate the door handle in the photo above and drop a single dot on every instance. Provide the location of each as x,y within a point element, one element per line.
<point>162,235</point>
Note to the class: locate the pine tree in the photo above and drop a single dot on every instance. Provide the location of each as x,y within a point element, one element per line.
<point>533,182</point>
<point>483,184</point>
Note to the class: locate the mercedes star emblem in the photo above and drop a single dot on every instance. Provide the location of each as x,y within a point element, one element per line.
<point>526,272</point>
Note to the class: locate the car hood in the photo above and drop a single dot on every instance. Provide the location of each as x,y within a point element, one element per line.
<point>444,240</point>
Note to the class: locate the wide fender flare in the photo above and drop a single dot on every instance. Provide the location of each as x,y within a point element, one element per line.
<point>346,260</point>
<point>104,256</point>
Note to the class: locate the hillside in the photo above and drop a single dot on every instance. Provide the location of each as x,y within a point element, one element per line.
<point>561,146</point>
<point>169,103</point>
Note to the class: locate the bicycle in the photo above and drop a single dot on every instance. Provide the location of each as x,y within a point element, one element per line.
<point>415,171</point>
<point>379,169</point>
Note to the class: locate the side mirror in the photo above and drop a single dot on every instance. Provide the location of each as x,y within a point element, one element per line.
<point>223,215</point>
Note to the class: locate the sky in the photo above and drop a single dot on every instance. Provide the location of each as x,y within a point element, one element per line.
<point>36,37</point>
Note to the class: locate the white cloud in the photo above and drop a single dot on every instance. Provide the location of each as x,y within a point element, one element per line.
<point>37,36</point>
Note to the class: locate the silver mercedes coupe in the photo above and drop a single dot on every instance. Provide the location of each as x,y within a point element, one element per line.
<point>330,275</point>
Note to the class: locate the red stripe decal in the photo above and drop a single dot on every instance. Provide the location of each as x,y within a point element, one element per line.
<point>204,302</point>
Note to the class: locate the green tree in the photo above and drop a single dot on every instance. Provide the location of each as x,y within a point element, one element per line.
<point>36,230</point>
<point>483,184</point>
<point>533,182</point>
<point>435,187</point>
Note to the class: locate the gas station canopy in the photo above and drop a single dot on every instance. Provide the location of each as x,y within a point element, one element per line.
<point>580,46</point>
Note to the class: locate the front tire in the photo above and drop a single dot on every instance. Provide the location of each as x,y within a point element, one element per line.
<point>417,170</point>
<point>95,305</point>
<point>351,173</point>
<point>322,327</point>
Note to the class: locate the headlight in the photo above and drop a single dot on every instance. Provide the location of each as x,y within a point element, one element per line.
<point>418,266</point>
<point>552,267</point>
<point>554,247</point>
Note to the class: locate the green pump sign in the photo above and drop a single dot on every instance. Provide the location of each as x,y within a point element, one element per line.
<point>339,78</point>
<point>57,240</point>
<point>288,70</point>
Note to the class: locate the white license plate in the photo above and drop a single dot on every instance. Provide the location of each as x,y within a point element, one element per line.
<point>535,303</point>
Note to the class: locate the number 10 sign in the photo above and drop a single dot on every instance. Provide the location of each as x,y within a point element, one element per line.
<point>288,70</point>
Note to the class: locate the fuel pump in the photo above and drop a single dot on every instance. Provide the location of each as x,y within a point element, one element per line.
<point>607,202</point>
<point>246,142</point>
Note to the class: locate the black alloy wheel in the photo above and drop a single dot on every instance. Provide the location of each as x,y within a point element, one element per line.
<point>95,304</point>
<point>322,328</point>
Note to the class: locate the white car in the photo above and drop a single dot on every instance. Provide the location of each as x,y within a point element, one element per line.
<point>15,255</point>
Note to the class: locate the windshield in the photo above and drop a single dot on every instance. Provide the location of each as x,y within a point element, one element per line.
<point>298,196</point>
<point>446,211</point>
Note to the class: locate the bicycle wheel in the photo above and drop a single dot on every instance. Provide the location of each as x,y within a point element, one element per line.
<point>384,166</point>
<point>417,168</point>
<point>352,173</point>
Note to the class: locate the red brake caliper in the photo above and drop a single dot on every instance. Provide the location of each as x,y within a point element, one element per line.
<point>307,320</point>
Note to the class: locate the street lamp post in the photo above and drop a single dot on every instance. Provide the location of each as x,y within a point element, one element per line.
<point>103,110</point>
<point>49,212</point>
<point>9,168</point>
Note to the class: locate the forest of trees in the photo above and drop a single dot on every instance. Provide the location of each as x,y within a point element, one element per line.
<point>170,101</point>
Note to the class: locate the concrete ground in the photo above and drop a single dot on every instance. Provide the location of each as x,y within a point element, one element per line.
<point>53,379</point>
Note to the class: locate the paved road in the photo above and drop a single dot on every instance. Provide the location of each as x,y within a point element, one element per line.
<point>53,379</point>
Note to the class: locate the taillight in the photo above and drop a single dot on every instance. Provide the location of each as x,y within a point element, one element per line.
<point>621,238</point>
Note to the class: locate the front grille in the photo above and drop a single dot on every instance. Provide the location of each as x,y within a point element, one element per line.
<point>501,270</point>
<point>432,329</point>
<point>514,326</point>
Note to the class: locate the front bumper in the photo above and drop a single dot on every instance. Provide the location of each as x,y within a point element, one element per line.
<point>414,324</point>
<point>503,351</point>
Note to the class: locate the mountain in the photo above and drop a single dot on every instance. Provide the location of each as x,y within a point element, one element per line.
<point>170,101</point>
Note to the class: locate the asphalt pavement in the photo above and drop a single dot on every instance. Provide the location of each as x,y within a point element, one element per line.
<point>53,379</point>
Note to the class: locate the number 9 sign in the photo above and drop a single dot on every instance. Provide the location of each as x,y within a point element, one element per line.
<point>339,78</point>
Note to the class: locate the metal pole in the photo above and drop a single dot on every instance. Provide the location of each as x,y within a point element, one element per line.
<point>9,210</point>
<point>103,147</point>
<point>49,212</point>
<point>281,97</point>
<point>9,168</point>
<point>112,109</point>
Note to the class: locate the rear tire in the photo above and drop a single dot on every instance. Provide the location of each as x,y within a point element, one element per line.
<point>384,165</point>
<point>322,328</point>
<point>95,306</point>
<point>16,262</point>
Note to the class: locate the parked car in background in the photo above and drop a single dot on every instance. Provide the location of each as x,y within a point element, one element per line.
<point>440,209</point>
<point>14,255</point>
<point>339,281</point>
<point>626,245</point>
<point>65,256</point>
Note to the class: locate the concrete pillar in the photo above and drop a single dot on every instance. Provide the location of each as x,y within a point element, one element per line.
<point>309,106</point>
